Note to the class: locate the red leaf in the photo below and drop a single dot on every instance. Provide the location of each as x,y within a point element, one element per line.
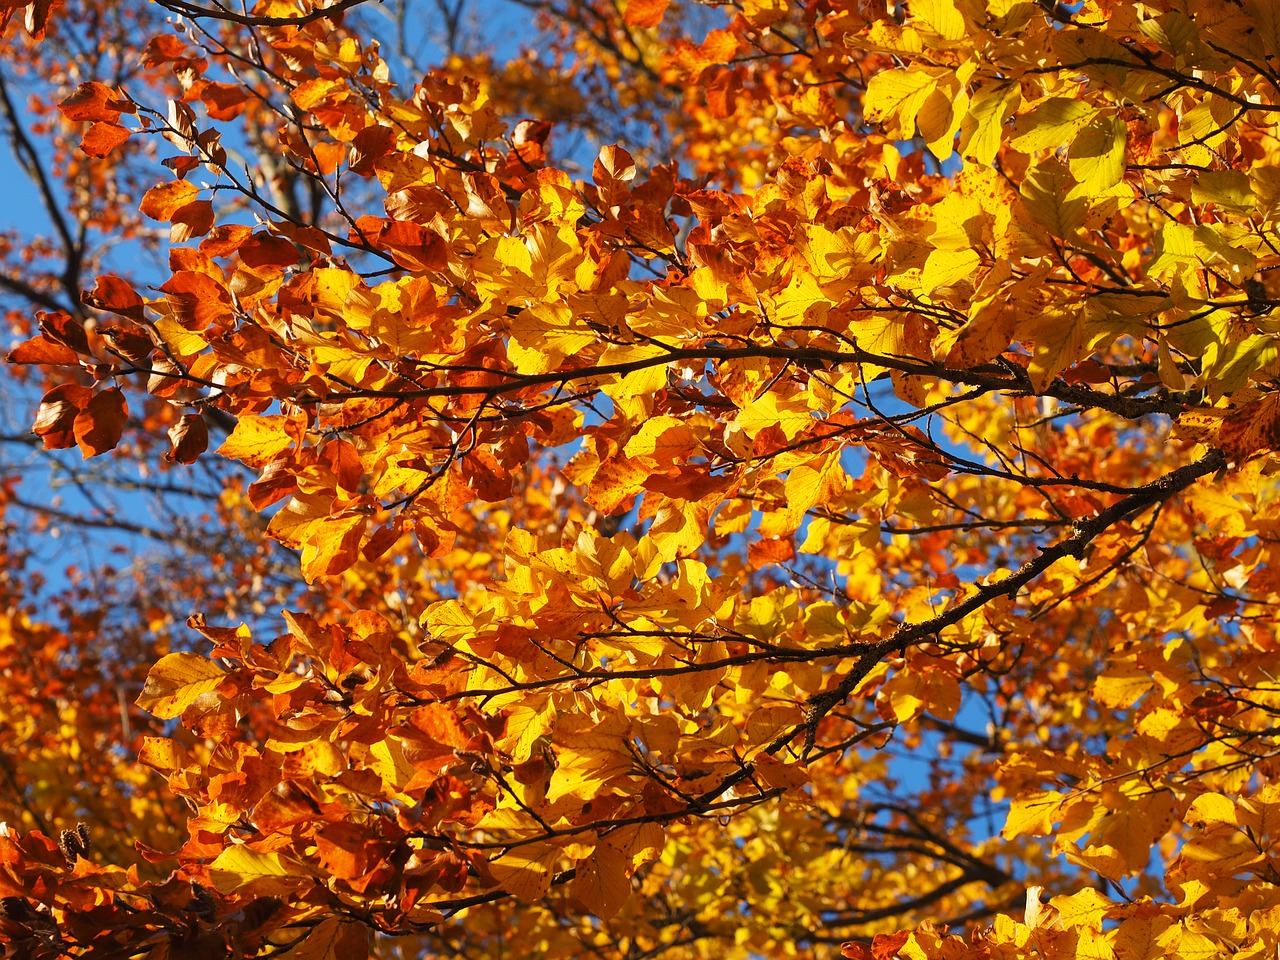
<point>99,426</point>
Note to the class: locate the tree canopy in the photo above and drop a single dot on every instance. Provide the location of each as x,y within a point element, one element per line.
<point>640,479</point>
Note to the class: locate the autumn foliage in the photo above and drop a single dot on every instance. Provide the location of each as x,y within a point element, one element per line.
<point>698,480</point>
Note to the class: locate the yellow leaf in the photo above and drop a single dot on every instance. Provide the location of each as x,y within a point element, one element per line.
<point>180,340</point>
<point>176,681</point>
<point>1050,124</point>
<point>790,415</point>
<point>662,442</point>
<point>945,267</point>
<point>1032,813</point>
<point>764,13</point>
<point>1211,808</point>
<point>1087,908</point>
<point>1097,154</point>
<point>525,872</point>
<point>1230,189</point>
<point>543,336</point>
<point>266,874</point>
<point>1059,340</point>
<point>1176,244</point>
<point>643,382</point>
<point>256,440</point>
<point>983,127</point>
<point>331,290</point>
<point>939,17</point>
<point>1182,943</point>
<point>1137,938</point>
<point>1121,685</point>
<point>940,117</point>
<point>387,760</point>
<point>894,97</point>
<point>1048,195</point>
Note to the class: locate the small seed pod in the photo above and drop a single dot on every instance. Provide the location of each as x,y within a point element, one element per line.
<point>16,908</point>
<point>72,847</point>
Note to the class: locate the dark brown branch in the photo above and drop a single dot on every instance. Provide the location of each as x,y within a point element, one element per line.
<point>182,8</point>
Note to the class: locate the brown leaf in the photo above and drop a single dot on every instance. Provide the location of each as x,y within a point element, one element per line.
<point>57,413</point>
<point>1252,429</point>
<point>190,438</point>
<point>99,426</point>
<point>64,329</point>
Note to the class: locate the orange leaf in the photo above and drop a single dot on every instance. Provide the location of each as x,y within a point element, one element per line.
<point>601,882</point>
<point>225,240</point>
<point>224,101</point>
<point>40,349</point>
<point>114,295</point>
<point>333,547</point>
<point>645,13</point>
<point>99,426</point>
<point>103,137</point>
<point>885,946</point>
<point>176,681</point>
<point>163,200</point>
<point>95,101</point>
<point>193,219</point>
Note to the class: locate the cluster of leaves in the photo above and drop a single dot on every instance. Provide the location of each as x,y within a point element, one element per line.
<point>904,391</point>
